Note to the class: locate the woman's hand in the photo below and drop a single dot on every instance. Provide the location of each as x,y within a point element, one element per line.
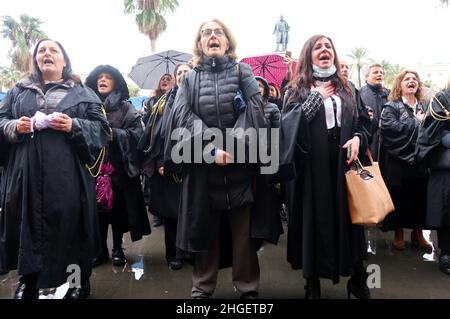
<point>353,144</point>
<point>326,91</point>
<point>420,116</point>
<point>23,125</point>
<point>223,158</point>
<point>61,122</point>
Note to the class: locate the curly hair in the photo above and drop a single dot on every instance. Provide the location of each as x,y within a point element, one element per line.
<point>396,91</point>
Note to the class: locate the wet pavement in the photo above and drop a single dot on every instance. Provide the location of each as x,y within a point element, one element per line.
<point>408,274</point>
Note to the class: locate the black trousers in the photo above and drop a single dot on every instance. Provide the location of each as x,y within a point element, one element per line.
<point>443,235</point>
<point>170,235</point>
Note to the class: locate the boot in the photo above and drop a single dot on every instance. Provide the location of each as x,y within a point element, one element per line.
<point>82,292</point>
<point>27,288</point>
<point>312,288</point>
<point>399,242</point>
<point>357,286</point>
<point>419,241</point>
<point>118,257</point>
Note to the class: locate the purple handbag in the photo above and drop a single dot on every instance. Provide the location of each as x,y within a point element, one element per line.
<point>103,188</point>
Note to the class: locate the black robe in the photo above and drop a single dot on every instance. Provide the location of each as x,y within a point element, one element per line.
<point>321,239</point>
<point>48,219</point>
<point>430,151</point>
<point>127,129</point>
<point>406,181</point>
<point>164,190</point>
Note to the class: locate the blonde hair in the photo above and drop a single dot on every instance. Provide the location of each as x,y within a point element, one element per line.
<point>198,52</point>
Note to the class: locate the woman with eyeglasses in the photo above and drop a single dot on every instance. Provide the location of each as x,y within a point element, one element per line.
<point>323,132</point>
<point>215,219</point>
<point>164,190</point>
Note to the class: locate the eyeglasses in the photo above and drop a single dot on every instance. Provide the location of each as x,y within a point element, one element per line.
<point>208,32</point>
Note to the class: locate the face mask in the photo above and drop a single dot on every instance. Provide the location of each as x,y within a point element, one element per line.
<point>323,73</point>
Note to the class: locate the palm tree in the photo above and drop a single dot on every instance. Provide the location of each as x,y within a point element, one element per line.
<point>444,2</point>
<point>150,16</point>
<point>359,59</point>
<point>8,77</point>
<point>23,34</point>
<point>391,72</point>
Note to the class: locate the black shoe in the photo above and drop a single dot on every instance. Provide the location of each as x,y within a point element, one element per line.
<point>118,257</point>
<point>100,259</point>
<point>82,292</point>
<point>157,221</point>
<point>444,264</point>
<point>357,286</point>
<point>312,288</point>
<point>26,291</point>
<point>249,295</point>
<point>175,264</point>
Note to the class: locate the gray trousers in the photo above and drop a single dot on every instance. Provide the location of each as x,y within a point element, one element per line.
<point>245,268</point>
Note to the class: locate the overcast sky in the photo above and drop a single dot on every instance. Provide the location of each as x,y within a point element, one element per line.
<point>97,32</point>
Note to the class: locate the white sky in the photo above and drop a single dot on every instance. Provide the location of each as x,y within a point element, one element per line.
<point>97,32</point>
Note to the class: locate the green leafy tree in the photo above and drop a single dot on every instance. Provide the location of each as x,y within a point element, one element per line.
<point>134,90</point>
<point>391,72</point>
<point>150,16</point>
<point>359,59</point>
<point>431,85</point>
<point>8,77</point>
<point>23,34</point>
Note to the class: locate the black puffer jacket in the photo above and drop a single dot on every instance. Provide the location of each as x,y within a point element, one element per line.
<point>230,186</point>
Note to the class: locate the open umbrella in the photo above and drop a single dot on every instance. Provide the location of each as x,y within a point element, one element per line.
<point>148,70</point>
<point>269,66</point>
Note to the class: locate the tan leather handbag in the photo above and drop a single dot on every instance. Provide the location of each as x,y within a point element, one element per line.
<point>369,200</point>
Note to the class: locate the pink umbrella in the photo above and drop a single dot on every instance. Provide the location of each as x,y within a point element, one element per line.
<point>269,66</point>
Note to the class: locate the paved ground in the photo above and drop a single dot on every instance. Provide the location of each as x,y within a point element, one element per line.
<point>408,274</point>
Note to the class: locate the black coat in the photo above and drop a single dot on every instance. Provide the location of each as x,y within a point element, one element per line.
<point>49,216</point>
<point>127,129</point>
<point>321,239</point>
<point>429,151</point>
<point>405,179</point>
<point>374,98</point>
<point>164,192</point>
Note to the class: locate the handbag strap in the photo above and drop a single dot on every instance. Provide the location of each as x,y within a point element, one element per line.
<point>369,155</point>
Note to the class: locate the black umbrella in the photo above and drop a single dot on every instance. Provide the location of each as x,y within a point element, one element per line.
<point>148,70</point>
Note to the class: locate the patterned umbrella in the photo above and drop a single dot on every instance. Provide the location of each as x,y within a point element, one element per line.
<point>148,70</point>
<point>269,66</point>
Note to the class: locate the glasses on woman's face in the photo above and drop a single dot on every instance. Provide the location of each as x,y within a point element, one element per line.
<point>218,32</point>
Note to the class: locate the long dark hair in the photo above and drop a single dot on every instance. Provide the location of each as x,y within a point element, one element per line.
<point>304,72</point>
<point>67,72</point>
